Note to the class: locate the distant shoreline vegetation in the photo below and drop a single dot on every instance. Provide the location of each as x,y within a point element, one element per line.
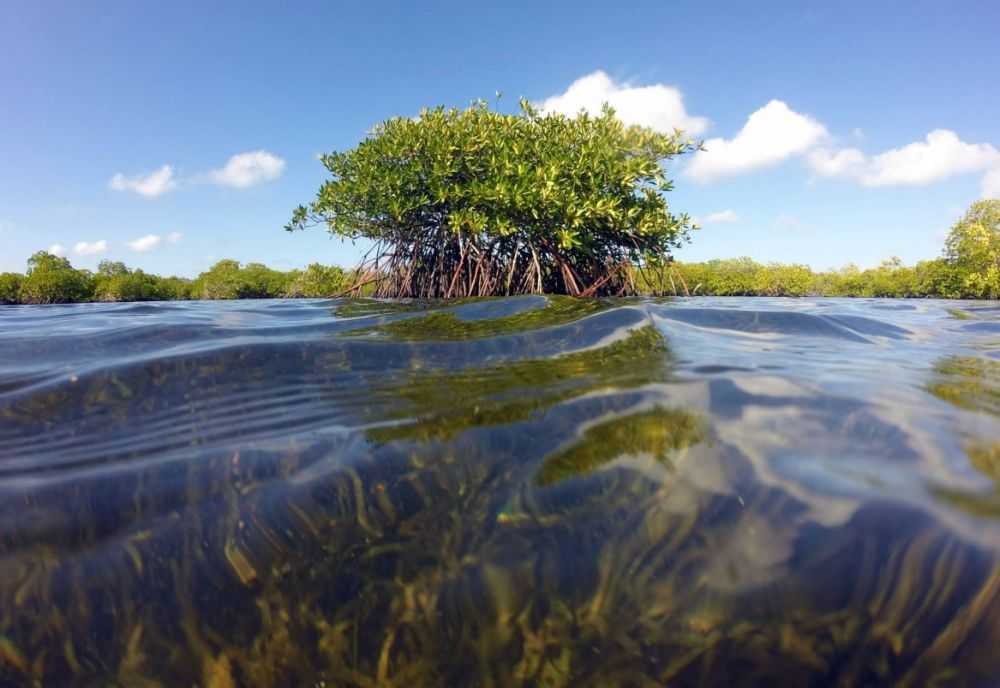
<point>52,279</point>
<point>968,269</point>
<point>734,277</point>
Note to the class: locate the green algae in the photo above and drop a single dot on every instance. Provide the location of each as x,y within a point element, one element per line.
<point>444,325</point>
<point>446,403</point>
<point>969,382</point>
<point>662,433</point>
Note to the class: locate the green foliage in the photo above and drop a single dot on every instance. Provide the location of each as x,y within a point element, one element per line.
<point>51,279</point>
<point>176,288</point>
<point>317,281</point>
<point>261,282</point>
<point>476,202</point>
<point>938,278</point>
<point>973,248</point>
<point>221,281</point>
<point>228,280</point>
<point>116,282</point>
<point>10,286</point>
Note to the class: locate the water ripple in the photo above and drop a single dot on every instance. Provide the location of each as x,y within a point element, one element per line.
<point>533,490</point>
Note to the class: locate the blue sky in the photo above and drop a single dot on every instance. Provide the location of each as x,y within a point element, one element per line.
<point>181,133</point>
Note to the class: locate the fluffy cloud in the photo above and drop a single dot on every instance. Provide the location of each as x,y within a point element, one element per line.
<point>90,248</point>
<point>151,241</point>
<point>57,250</point>
<point>830,163</point>
<point>146,243</point>
<point>658,106</point>
<point>247,169</point>
<point>720,218</point>
<point>991,184</point>
<point>151,185</point>
<point>773,133</point>
<point>940,155</point>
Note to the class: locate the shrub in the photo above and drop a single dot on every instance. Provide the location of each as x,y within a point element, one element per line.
<point>51,279</point>
<point>116,282</point>
<point>973,249</point>
<point>10,286</point>
<point>318,281</point>
<point>476,203</point>
<point>221,281</point>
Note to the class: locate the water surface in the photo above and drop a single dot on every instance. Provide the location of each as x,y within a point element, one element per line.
<point>524,491</point>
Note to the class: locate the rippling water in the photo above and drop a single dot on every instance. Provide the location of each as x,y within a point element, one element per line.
<point>537,491</point>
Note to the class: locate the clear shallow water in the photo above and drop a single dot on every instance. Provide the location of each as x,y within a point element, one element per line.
<point>514,491</point>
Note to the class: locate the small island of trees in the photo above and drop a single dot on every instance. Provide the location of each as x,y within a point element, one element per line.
<point>474,202</point>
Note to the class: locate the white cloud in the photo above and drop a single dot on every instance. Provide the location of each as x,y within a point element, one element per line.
<point>773,133</point>
<point>657,106</point>
<point>940,155</point>
<point>991,184</point>
<point>151,185</point>
<point>57,250</point>
<point>174,237</point>
<point>720,218</point>
<point>246,169</point>
<point>830,163</point>
<point>90,248</point>
<point>146,243</point>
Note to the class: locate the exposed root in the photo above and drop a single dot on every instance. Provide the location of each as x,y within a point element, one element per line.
<point>445,264</point>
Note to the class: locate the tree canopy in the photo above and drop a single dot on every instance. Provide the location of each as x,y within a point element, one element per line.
<point>973,248</point>
<point>51,279</point>
<point>10,287</point>
<point>476,202</point>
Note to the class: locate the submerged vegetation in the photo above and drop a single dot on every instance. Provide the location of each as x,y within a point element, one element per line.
<point>475,202</point>
<point>970,382</point>
<point>973,383</point>
<point>447,403</point>
<point>446,326</point>
<point>662,433</point>
<point>381,506</point>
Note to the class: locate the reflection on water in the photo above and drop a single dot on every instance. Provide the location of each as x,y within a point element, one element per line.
<point>521,491</point>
